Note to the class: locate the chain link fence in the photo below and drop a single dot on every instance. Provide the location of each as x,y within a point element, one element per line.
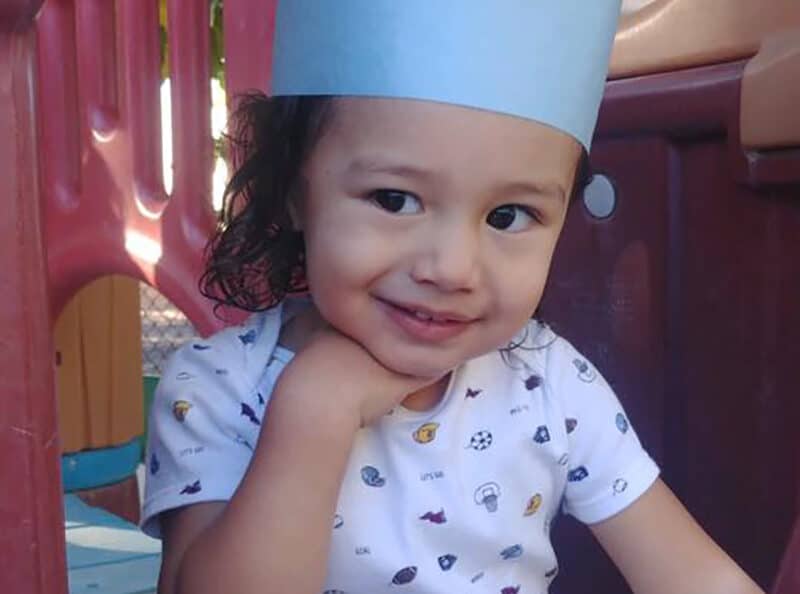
<point>164,328</point>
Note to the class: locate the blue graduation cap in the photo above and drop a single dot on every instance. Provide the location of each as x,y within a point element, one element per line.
<point>543,60</point>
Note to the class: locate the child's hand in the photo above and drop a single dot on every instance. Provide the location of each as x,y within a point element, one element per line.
<point>332,365</point>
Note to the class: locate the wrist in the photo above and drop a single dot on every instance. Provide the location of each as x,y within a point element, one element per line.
<point>318,404</point>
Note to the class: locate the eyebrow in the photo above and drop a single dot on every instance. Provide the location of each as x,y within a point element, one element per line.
<point>553,189</point>
<point>373,166</point>
<point>516,188</point>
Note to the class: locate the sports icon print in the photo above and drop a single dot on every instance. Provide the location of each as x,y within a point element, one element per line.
<point>181,408</point>
<point>434,517</point>
<point>578,474</point>
<point>472,393</point>
<point>619,486</point>
<point>533,382</point>
<point>248,337</point>
<point>372,477</point>
<point>405,576</point>
<point>480,441</point>
<point>487,495</point>
<point>192,489</point>
<point>585,372</point>
<point>425,433</point>
<point>512,552</point>
<point>446,562</point>
<point>542,434</point>
<point>154,463</point>
<point>248,412</point>
<point>534,503</point>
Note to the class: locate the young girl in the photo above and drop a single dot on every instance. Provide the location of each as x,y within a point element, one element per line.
<point>392,418</point>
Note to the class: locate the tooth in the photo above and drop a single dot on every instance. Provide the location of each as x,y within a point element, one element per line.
<point>422,316</point>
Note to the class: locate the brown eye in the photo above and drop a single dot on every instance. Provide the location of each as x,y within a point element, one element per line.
<point>397,202</point>
<point>511,217</point>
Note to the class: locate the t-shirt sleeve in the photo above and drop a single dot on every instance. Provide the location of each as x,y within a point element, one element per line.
<point>608,469</point>
<point>204,423</point>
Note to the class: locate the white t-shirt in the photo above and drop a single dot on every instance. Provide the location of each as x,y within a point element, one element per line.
<point>460,498</point>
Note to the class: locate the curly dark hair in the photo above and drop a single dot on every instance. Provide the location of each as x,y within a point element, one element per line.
<point>256,257</point>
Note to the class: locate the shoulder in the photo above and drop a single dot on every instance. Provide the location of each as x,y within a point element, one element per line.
<point>233,358</point>
<point>206,416</point>
<point>208,378</point>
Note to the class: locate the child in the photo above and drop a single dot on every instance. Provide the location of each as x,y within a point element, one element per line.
<point>408,426</point>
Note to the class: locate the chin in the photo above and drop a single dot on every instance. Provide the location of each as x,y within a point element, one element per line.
<point>417,364</point>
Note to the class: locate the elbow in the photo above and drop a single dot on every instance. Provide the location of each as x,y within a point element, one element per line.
<point>193,577</point>
<point>204,571</point>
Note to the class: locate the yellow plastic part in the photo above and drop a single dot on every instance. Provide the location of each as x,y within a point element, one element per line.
<point>667,35</point>
<point>99,372</point>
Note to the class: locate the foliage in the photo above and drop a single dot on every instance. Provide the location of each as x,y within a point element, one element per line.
<point>217,55</point>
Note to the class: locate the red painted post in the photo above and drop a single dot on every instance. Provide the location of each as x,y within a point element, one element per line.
<point>32,535</point>
<point>249,26</point>
<point>82,196</point>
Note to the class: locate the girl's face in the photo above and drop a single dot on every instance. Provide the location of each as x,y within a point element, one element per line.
<point>430,228</point>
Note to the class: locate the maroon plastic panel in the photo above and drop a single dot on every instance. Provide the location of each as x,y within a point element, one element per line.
<point>686,297</point>
<point>788,581</point>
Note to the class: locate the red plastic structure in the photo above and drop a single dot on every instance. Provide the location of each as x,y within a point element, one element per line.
<point>31,539</point>
<point>81,183</point>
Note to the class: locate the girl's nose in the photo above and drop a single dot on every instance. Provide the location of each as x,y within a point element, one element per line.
<point>449,259</point>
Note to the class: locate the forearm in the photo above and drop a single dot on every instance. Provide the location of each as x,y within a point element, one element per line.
<point>274,535</point>
<point>660,549</point>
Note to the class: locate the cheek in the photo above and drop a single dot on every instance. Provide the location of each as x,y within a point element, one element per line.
<point>344,260</point>
<point>342,256</point>
<point>518,282</point>
<point>519,305</point>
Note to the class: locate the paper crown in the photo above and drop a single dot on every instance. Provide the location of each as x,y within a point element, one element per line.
<point>543,60</point>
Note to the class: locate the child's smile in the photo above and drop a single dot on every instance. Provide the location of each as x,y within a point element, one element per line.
<point>430,228</point>
<point>425,324</point>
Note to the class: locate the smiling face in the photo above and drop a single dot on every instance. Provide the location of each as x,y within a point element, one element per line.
<point>430,228</point>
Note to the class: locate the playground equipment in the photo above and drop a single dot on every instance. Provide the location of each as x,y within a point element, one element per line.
<point>689,305</point>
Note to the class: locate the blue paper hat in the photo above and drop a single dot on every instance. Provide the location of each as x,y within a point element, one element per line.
<point>543,60</point>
